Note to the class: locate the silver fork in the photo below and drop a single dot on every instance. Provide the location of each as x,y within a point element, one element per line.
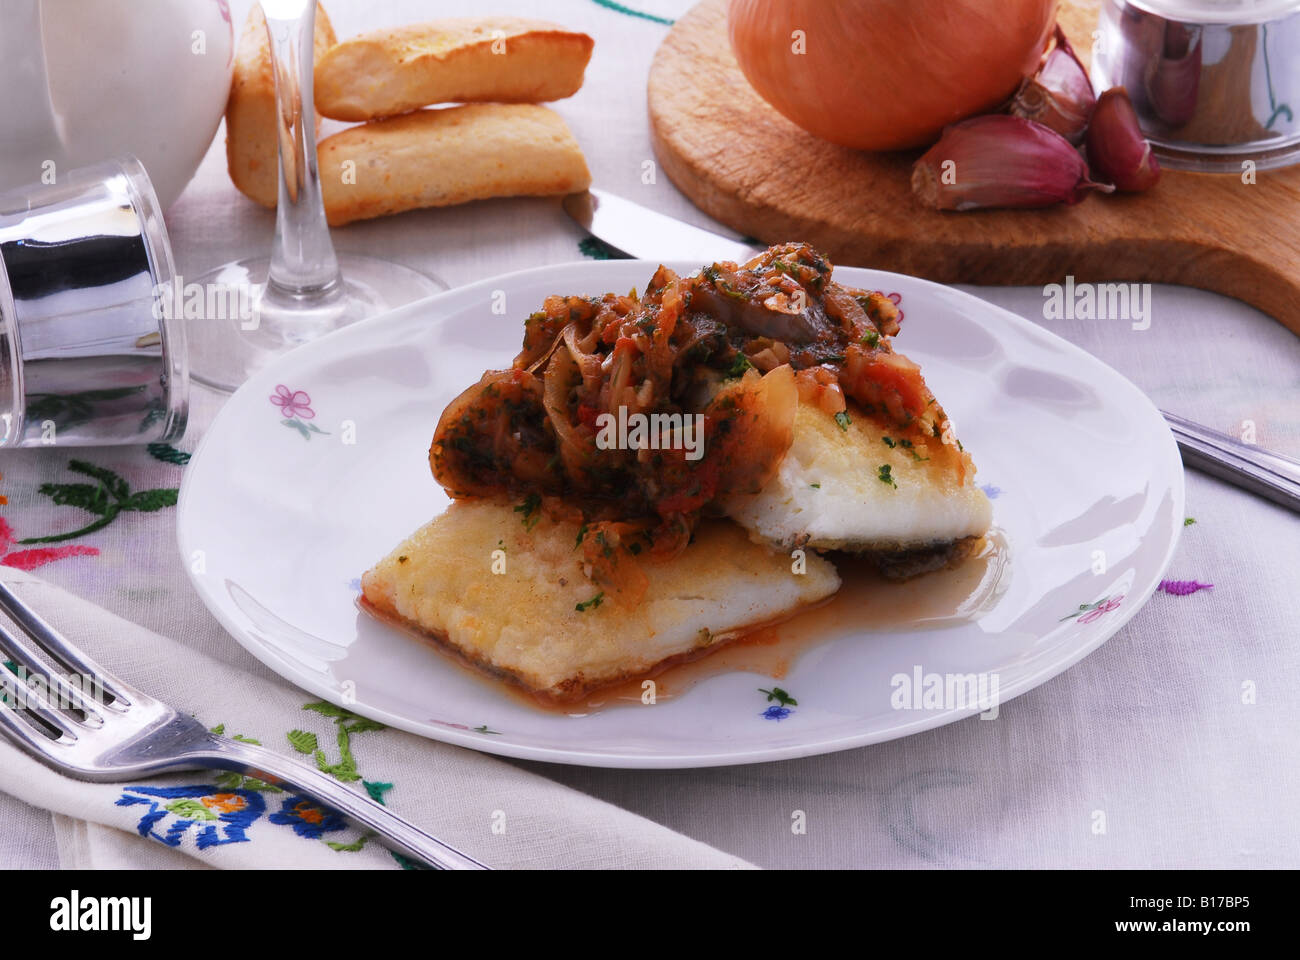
<point>102,729</point>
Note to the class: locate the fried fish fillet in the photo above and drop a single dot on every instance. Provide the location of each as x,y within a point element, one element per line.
<point>853,484</point>
<point>543,624</point>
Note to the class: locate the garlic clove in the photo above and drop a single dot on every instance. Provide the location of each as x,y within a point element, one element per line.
<point>999,160</point>
<point>1059,95</point>
<point>1117,151</point>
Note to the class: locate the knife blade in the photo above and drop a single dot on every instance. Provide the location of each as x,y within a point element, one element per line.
<point>645,234</point>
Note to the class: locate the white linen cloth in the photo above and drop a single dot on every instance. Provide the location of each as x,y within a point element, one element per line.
<point>503,815</point>
<point>1147,753</point>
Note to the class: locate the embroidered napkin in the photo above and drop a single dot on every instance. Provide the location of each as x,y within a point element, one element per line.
<point>496,812</point>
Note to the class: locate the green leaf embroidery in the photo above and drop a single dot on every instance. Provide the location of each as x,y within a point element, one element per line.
<point>89,497</point>
<point>376,790</point>
<point>237,781</point>
<point>106,500</point>
<point>148,501</point>
<point>303,741</point>
<point>191,809</point>
<point>352,847</point>
<point>111,481</point>
<point>168,454</point>
<point>327,709</point>
<point>347,723</point>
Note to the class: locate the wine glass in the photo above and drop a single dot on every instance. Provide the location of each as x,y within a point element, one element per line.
<point>265,306</point>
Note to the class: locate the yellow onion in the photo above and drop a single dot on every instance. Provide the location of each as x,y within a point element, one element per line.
<point>887,74</point>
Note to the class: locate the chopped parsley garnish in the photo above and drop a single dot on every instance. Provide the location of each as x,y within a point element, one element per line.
<point>591,604</point>
<point>1188,521</point>
<point>738,366</point>
<point>582,532</point>
<point>871,338</point>
<point>886,475</point>
<point>722,286</point>
<point>531,509</point>
<point>815,486</point>
<point>843,419</point>
<point>889,442</point>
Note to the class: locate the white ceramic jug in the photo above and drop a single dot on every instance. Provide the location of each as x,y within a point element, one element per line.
<point>87,80</point>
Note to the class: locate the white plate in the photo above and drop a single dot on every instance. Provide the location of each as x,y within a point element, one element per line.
<point>278,519</point>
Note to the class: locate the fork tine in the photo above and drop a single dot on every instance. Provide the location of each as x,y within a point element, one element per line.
<point>57,647</point>
<point>65,694</point>
<point>18,698</point>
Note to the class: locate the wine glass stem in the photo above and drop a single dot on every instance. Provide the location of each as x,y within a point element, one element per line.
<point>303,265</point>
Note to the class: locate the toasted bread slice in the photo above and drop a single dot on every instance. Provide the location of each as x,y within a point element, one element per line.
<point>833,493</point>
<point>251,128</point>
<point>539,623</point>
<point>457,60</point>
<point>438,158</point>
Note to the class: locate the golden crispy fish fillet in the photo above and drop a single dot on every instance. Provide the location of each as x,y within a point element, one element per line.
<point>544,625</point>
<point>862,487</point>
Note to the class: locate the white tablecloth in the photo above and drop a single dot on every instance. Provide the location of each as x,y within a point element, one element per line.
<point>1152,731</point>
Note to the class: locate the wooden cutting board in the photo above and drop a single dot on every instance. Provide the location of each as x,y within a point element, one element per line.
<point>746,165</point>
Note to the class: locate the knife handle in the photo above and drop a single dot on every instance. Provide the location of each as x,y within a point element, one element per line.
<point>1252,468</point>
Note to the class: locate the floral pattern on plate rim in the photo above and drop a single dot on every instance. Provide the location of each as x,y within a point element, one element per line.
<point>295,406</point>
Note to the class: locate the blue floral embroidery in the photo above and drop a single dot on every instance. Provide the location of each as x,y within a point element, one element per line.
<point>307,817</point>
<point>991,491</point>
<point>776,712</point>
<point>222,816</point>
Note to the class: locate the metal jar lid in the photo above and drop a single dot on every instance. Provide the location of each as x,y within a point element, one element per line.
<point>1215,83</point>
